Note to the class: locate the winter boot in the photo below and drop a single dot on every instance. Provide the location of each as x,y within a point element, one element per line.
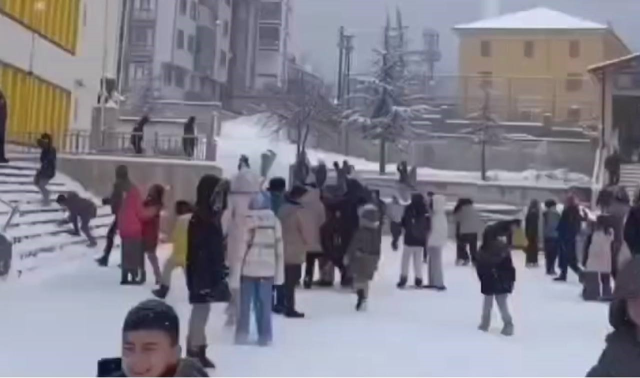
<point>92,244</point>
<point>103,260</point>
<point>560,278</point>
<point>293,314</point>
<point>362,300</point>
<point>403,282</point>
<point>161,292</point>
<point>200,354</point>
<point>418,282</point>
<point>507,330</point>
<point>308,283</point>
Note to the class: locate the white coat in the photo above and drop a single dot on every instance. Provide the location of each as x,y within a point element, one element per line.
<point>263,253</point>
<point>599,259</point>
<point>439,226</point>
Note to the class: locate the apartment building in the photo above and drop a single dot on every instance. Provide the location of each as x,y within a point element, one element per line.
<point>53,56</point>
<point>177,49</point>
<point>534,63</point>
<point>273,43</point>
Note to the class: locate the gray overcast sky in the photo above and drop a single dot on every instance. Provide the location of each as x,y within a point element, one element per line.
<point>316,23</point>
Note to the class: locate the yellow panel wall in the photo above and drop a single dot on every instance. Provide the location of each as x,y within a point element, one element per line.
<point>55,20</point>
<point>35,105</point>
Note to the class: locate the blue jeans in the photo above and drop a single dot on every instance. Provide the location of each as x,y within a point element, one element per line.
<point>258,290</point>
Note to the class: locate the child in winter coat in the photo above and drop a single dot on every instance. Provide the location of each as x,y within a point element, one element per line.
<point>497,276</point>
<point>129,219</point>
<point>620,356</point>
<point>152,207</point>
<point>79,208</point>
<point>532,229</point>
<point>468,226</point>
<point>394,211</point>
<point>598,262</point>
<point>183,211</point>
<point>259,268</point>
<point>437,240</point>
<point>363,253</point>
<point>550,220</point>
<point>414,223</point>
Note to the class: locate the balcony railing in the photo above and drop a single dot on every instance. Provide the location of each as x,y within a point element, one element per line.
<point>144,14</point>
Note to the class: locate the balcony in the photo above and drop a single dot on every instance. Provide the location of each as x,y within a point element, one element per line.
<point>271,13</point>
<point>143,14</point>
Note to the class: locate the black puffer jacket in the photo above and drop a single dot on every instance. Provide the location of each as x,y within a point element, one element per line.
<point>205,268</point>
<point>415,222</point>
<point>48,160</point>
<point>632,230</point>
<point>494,265</point>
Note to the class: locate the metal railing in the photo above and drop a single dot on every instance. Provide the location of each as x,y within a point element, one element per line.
<point>117,143</point>
<point>14,211</point>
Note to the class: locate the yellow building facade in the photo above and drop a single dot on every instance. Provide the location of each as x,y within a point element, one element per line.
<point>534,63</point>
<point>37,105</point>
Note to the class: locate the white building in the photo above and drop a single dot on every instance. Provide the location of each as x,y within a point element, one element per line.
<point>273,43</point>
<point>177,50</point>
<point>52,56</point>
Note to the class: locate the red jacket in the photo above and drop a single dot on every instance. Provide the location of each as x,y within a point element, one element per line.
<point>151,227</point>
<point>131,214</point>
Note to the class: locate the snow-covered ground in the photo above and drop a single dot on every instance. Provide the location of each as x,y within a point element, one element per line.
<point>61,323</point>
<point>250,136</point>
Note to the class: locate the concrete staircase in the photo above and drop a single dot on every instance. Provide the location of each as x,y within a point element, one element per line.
<point>630,178</point>
<point>38,239</point>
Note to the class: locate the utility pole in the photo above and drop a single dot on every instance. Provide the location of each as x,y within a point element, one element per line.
<point>341,46</point>
<point>347,68</point>
<point>385,64</point>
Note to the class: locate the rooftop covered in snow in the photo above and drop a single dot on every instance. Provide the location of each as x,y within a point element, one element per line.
<point>533,19</point>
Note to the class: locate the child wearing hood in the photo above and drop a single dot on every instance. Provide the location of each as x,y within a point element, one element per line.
<point>497,275</point>
<point>363,253</point>
<point>258,269</point>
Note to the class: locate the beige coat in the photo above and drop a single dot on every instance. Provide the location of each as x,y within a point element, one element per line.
<point>293,236</point>
<point>600,253</point>
<point>313,217</point>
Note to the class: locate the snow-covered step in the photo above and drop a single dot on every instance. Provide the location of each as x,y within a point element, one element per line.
<point>27,231</point>
<point>33,248</point>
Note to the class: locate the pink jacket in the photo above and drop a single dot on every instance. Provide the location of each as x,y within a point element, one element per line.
<point>130,214</point>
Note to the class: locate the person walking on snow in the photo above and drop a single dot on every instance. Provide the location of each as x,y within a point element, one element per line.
<point>532,230</point>
<point>115,201</point>
<point>130,216</point>
<point>632,226</point>
<point>620,355</point>
<point>394,211</point>
<point>47,169</point>
<point>189,137</point>
<point>568,228</point>
<point>414,223</point>
<point>437,241</point>
<point>137,134</point>
<point>183,211</point>
<point>152,207</point>
<point>244,185</point>
<point>468,227</point>
<point>259,267</point>
<point>296,245</point>
<point>313,217</point>
<point>550,220</point>
<point>598,262</point>
<point>205,267</point>
<point>612,164</point>
<point>81,208</point>
<point>497,277</point>
<point>363,254</point>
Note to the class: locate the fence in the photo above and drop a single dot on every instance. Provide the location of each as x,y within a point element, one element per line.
<point>524,99</point>
<point>117,143</point>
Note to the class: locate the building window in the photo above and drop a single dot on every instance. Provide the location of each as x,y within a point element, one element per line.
<point>138,71</point>
<point>194,11</point>
<point>269,37</point>
<point>144,4</point>
<point>180,40</point>
<point>486,79</point>
<point>179,76</point>
<point>574,113</point>
<point>529,49</point>
<point>223,59</point>
<point>485,49</point>
<point>191,44</point>
<point>183,7</point>
<point>225,28</point>
<point>142,36</point>
<point>574,49</point>
<point>574,82</point>
<point>167,74</point>
<point>271,11</point>
<point>194,83</point>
